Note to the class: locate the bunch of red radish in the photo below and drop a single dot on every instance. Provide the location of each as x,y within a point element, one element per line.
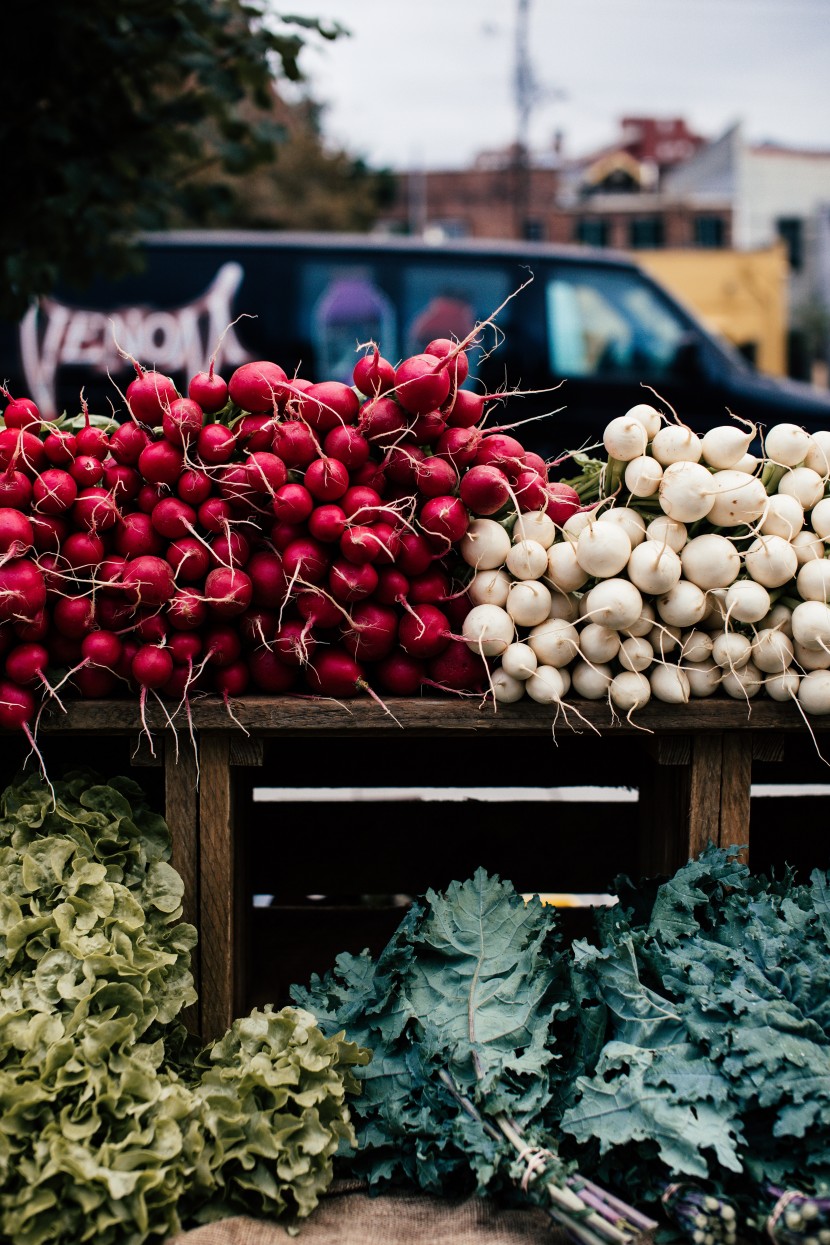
<point>264,535</point>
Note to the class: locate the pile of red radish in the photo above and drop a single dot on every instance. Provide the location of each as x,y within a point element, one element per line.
<point>264,535</point>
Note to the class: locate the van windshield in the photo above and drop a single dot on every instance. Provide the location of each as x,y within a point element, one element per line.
<point>610,323</point>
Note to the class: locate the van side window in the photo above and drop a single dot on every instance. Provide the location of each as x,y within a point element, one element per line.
<point>607,323</point>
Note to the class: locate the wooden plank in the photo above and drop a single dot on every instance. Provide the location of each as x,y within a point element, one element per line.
<point>664,818</point>
<point>216,884</point>
<point>181,810</point>
<point>736,784</point>
<point>705,781</point>
<point>291,715</point>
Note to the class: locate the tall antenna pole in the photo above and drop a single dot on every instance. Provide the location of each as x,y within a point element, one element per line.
<point>524,91</point>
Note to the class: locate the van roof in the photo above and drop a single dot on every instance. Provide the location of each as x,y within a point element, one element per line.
<point>392,243</point>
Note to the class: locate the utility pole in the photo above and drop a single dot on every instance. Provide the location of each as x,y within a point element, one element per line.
<point>525,94</point>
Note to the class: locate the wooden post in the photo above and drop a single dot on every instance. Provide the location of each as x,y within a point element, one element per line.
<point>216,884</point>
<point>182,816</point>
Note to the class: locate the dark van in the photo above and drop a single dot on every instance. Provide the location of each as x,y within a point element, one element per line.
<point>579,332</point>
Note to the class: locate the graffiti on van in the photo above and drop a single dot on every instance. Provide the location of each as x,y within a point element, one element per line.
<point>177,340</point>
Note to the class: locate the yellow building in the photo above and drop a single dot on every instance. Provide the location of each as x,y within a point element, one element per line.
<point>740,294</point>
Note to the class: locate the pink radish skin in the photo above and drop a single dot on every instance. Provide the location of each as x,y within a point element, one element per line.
<point>421,383</point>
<point>400,674</point>
<point>467,409</point>
<point>458,668</point>
<point>305,558</point>
<point>268,581</point>
<point>327,523</point>
<point>348,445</point>
<point>228,592</point>
<point>383,422</point>
<point>415,555</point>
<point>335,673</point>
<point>458,364</point>
<point>187,610</point>
<point>485,490</point>
<point>214,515</point>
<point>373,374</point>
<point>328,405</point>
<point>209,390</point>
<point>348,582</point>
<point>82,550</point>
<point>16,532</point>
<point>499,450</point>
<point>563,501</point>
<point>21,413</point>
<point>266,472</point>
<point>102,648</point>
<point>17,707</point>
<point>232,680</point>
<point>152,666</point>
<point>149,496</point>
<point>149,396</point>
<point>326,479</point>
<point>443,521</point>
<point>87,470</point>
<point>255,432</point>
<point>293,643</point>
<point>424,632</point>
<point>182,421</point>
<point>124,483</point>
<point>270,674</point>
<point>293,503</point>
<point>372,633</point>
<point>160,463</point>
<point>26,664</point>
<point>189,559</point>
<point>393,586</point>
<point>215,444</point>
<point>22,449</point>
<point>295,444</point>
<point>184,646</point>
<point>260,387</point>
<point>48,532</point>
<point>135,536</point>
<point>318,610</point>
<point>95,510</point>
<point>126,444</point>
<point>73,616</point>
<point>222,645</point>
<point>194,487</point>
<point>148,580</point>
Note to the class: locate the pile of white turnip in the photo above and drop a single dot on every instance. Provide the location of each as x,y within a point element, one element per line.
<point>699,569</point>
<point>265,535</point>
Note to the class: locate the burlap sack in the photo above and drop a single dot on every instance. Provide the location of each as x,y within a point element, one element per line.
<point>348,1216</point>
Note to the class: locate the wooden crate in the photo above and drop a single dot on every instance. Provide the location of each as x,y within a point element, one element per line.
<point>692,766</point>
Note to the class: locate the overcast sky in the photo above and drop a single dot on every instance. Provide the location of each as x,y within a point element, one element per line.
<point>430,82</point>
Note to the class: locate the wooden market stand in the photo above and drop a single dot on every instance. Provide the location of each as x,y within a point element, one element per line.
<point>694,774</point>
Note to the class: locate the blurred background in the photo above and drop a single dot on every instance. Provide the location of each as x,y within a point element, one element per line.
<point>693,133</point>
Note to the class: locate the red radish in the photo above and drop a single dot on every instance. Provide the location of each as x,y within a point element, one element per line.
<point>59,447</point>
<point>209,390</point>
<point>20,412</point>
<point>427,428</point>
<point>108,574</point>
<point>102,648</point>
<point>268,581</point>
<point>95,510</point>
<point>189,559</point>
<point>23,449</point>
<point>458,669</point>
<point>124,483</point>
<point>22,590</point>
<point>386,539</point>
<point>295,444</point>
<point>348,445</point>
<point>172,518</point>
<point>373,374</point>
<point>457,362</point>
<point>63,651</point>
<point>82,550</point>
<point>318,610</point>
<point>149,396</point>
<point>17,708</point>
<point>361,504</point>
<point>326,479</point>
<point>372,632</point>
<point>148,580</point>
<point>184,646</point>
<point>327,523</point>
<point>215,444</point>
<point>255,432</point>
<point>415,555</point>
<point>400,674</point>
<point>393,585</point>
<point>282,534</point>
<point>383,422</point>
<point>160,462</point>
<point>430,588</point>
<point>421,383</point>
<point>194,486</point>
<point>269,673</point>
<point>467,409</point>
<point>372,475</point>
<point>348,582</point>
<point>232,680</point>
<point>94,682</point>
<point>149,496</point>
<point>87,470</point>
<point>531,491</point>
<point>424,632</point>
<point>306,559</point>
<point>229,548</point>
<point>16,533</point>
<point>329,404</point>
<point>222,645</point>
<point>26,663</point>
<point>359,545</point>
<point>114,614</point>
<point>563,501</point>
<point>34,630</point>
<point>534,462</point>
<point>93,441</point>
<point>443,521</point>
<point>266,472</point>
<point>485,490</point>
<point>124,669</point>
<point>150,625</point>
<point>135,535</point>
<point>214,515</point>
<point>126,444</point>
<point>182,421</point>
<point>152,666</point>
<point>293,503</point>
<point>228,591</point>
<point>402,464</point>
<point>458,445</point>
<point>293,644</point>
<point>435,477</point>
<point>498,450</point>
<point>187,610</point>
<point>48,532</point>
<point>258,624</point>
<point>234,485</point>
<point>260,387</point>
<point>335,673</point>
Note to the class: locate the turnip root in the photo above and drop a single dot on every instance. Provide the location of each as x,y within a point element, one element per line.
<point>506,689</point>
<point>642,476</point>
<point>625,438</point>
<point>488,630</point>
<point>527,559</point>
<point>667,531</point>
<point>772,651</point>
<point>614,603</point>
<point>534,525</point>
<point>804,484</point>
<point>603,549</point>
<point>633,523</point>
<point>675,443</point>
<point>726,445</point>
<point>814,692</point>
<point>564,570</point>
<point>485,545</point>
<point>591,681</point>
<point>519,661</point>
<point>737,499</point>
<point>555,642</point>
<point>669,683</point>
<point>635,653</point>
<point>744,683</point>
<point>528,602</point>
<point>710,561</point>
<point>786,444</point>
<point>683,605</point>
<point>598,643</point>
<point>547,685</point>
<point>704,677</point>
<point>654,567</point>
<point>784,516</point>
<point>489,588</point>
<point>685,491</point>
<point>629,690</point>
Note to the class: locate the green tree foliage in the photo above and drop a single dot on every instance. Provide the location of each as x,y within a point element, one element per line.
<point>108,110</point>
